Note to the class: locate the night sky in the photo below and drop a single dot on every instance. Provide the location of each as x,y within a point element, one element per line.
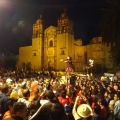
<point>18,16</point>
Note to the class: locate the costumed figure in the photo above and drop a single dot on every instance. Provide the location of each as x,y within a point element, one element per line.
<point>70,66</point>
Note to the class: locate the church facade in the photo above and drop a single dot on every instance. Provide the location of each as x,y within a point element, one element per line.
<point>51,45</point>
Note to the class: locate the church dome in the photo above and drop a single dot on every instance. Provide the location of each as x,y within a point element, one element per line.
<point>64,14</point>
<point>38,21</point>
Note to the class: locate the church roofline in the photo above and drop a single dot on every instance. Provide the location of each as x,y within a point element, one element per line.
<point>50,27</point>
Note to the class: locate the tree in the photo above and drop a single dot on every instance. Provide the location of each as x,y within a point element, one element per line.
<point>109,25</point>
<point>115,57</point>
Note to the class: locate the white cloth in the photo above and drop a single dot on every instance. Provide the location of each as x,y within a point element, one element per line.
<point>117,109</point>
<point>9,80</point>
<point>42,102</point>
<point>24,101</point>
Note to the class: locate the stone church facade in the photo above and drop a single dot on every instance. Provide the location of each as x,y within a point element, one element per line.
<point>51,45</point>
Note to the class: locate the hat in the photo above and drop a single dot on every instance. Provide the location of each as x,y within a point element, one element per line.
<point>84,110</point>
<point>112,102</point>
<point>8,80</point>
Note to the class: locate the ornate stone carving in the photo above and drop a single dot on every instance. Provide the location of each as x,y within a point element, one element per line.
<point>50,52</point>
<point>98,53</point>
<point>51,33</point>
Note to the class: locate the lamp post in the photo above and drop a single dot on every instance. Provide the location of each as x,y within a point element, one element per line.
<point>87,68</point>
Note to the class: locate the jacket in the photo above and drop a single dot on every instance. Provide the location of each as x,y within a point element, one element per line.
<point>3,104</point>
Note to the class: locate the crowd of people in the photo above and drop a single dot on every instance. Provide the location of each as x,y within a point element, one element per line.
<point>29,95</point>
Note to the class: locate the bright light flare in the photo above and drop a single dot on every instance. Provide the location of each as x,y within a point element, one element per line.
<point>21,23</point>
<point>0,21</point>
<point>15,30</point>
<point>5,4</point>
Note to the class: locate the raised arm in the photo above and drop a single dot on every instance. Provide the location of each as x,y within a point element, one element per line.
<point>74,112</point>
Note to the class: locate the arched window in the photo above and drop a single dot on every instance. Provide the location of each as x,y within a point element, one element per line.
<point>34,54</point>
<point>62,52</point>
<point>51,43</point>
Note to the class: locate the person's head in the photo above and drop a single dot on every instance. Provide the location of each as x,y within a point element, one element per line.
<point>26,93</point>
<point>69,58</point>
<point>84,110</point>
<point>63,94</point>
<point>48,95</point>
<point>111,105</point>
<point>83,87</point>
<point>20,109</point>
<point>116,96</point>
<point>110,95</point>
<point>35,105</point>
<point>111,83</point>
<point>56,112</point>
<point>4,88</point>
<point>92,87</point>
<point>115,87</point>
<point>100,101</point>
<point>109,88</point>
<point>97,109</point>
<point>10,103</point>
<point>106,94</point>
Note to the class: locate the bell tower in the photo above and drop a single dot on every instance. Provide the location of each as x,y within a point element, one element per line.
<point>37,44</point>
<point>65,39</point>
<point>65,25</point>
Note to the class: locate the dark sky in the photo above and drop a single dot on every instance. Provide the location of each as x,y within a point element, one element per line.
<point>18,16</point>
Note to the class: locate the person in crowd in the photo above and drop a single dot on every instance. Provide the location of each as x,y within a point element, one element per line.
<point>21,88</point>
<point>102,103</point>
<point>20,111</point>
<point>10,103</point>
<point>117,106</point>
<point>83,112</point>
<point>47,97</point>
<point>14,94</point>
<point>50,110</point>
<point>3,100</point>
<point>36,95</point>
<point>24,99</point>
<point>115,87</point>
<point>70,66</point>
<point>110,115</point>
<point>62,98</point>
<point>97,113</point>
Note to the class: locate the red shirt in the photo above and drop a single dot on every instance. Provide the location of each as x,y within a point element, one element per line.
<point>103,111</point>
<point>63,101</point>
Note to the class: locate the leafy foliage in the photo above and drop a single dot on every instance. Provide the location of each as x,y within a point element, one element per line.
<point>109,25</point>
<point>115,57</point>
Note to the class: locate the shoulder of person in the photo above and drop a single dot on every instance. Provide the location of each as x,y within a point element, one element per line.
<point>117,103</point>
<point>10,118</point>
